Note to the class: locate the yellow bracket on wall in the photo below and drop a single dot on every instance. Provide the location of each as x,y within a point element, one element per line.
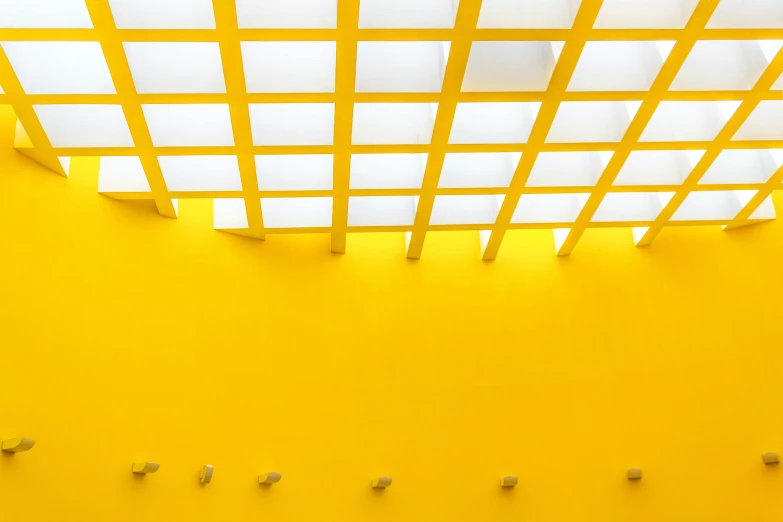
<point>144,468</point>
<point>508,482</point>
<point>381,482</point>
<point>24,145</point>
<point>634,474</point>
<point>206,473</point>
<point>770,458</point>
<point>269,478</point>
<point>17,445</point>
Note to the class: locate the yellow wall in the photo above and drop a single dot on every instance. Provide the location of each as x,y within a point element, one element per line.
<point>127,336</point>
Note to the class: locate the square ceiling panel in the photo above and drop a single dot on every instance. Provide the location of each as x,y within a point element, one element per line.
<point>189,125</point>
<point>288,14</point>
<point>199,173</point>
<point>289,66</point>
<point>44,14</point>
<point>60,67</point>
<point>292,123</point>
<point>77,125</point>
<point>163,14</point>
<point>175,67</point>
<point>401,66</point>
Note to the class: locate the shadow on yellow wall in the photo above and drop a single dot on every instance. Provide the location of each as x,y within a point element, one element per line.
<point>129,337</point>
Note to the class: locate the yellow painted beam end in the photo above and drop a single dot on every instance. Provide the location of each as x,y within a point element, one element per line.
<point>381,482</point>
<point>269,478</point>
<point>17,445</point>
<point>144,468</point>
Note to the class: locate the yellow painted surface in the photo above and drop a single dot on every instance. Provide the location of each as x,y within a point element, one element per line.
<point>129,337</point>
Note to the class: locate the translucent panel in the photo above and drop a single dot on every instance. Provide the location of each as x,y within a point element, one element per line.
<point>364,211</point>
<point>644,14</point>
<point>411,14</point>
<point>465,210</point>
<point>631,206</point>
<point>163,14</point>
<point>76,125</point>
<point>292,123</point>
<point>549,208</point>
<point>761,14</point>
<point>400,66</point>
<point>289,66</point>
<point>718,205</point>
<point>688,121</point>
<point>175,67</point>
<point>764,123</point>
<point>189,125</point>
<point>742,166</point>
<point>294,171</point>
<point>509,66</point>
<point>387,171</point>
<point>583,122</point>
<point>122,174</point>
<point>478,170</point>
<point>200,172</point>
<point>495,122</point>
<point>230,213</point>
<point>60,67</point>
<point>392,123</point>
<point>657,167</point>
<point>618,66</point>
<point>527,14</point>
<point>714,65</point>
<point>44,14</point>
<point>289,14</point>
<point>297,212</point>
<point>567,169</point>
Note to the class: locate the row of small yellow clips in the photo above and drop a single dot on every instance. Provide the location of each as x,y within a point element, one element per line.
<point>145,468</point>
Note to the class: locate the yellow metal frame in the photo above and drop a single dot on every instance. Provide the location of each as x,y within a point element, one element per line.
<point>34,142</point>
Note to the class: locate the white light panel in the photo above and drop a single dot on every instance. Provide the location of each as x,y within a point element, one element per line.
<point>645,14</point>
<point>493,122</point>
<point>60,67</point>
<point>189,125</point>
<point>478,170</point>
<point>549,208</point>
<point>289,66</point>
<point>297,212</point>
<point>715,65</point>
<point>387,171</point>
<point>287,14</point>
<point>122,174</point>
<point>688,120</point>
<point>392,123</point>
<point>400,66</point>
<point>764,123</point>
<point>527,14</point>
<point>657,167</point>
<point>199,173</point>
<point>631,206</point>
<point>175,67</point>
<point>567,169</point>
<point>44,14</point>
<point>163,14</point>
<point>713,205</point>
<point>76,125</point>
<point>370,211</point>
<point>618,66</point>
<point>584,122</point>
<point>407,14</point>
<point>747,14</point>
<point>510,66</point>
<point>294,171</point>
<point>743,166</point>
<point>292,123</point>
<point>465,210</point>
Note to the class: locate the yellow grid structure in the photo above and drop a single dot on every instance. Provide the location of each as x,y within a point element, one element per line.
<point>347,36</point>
